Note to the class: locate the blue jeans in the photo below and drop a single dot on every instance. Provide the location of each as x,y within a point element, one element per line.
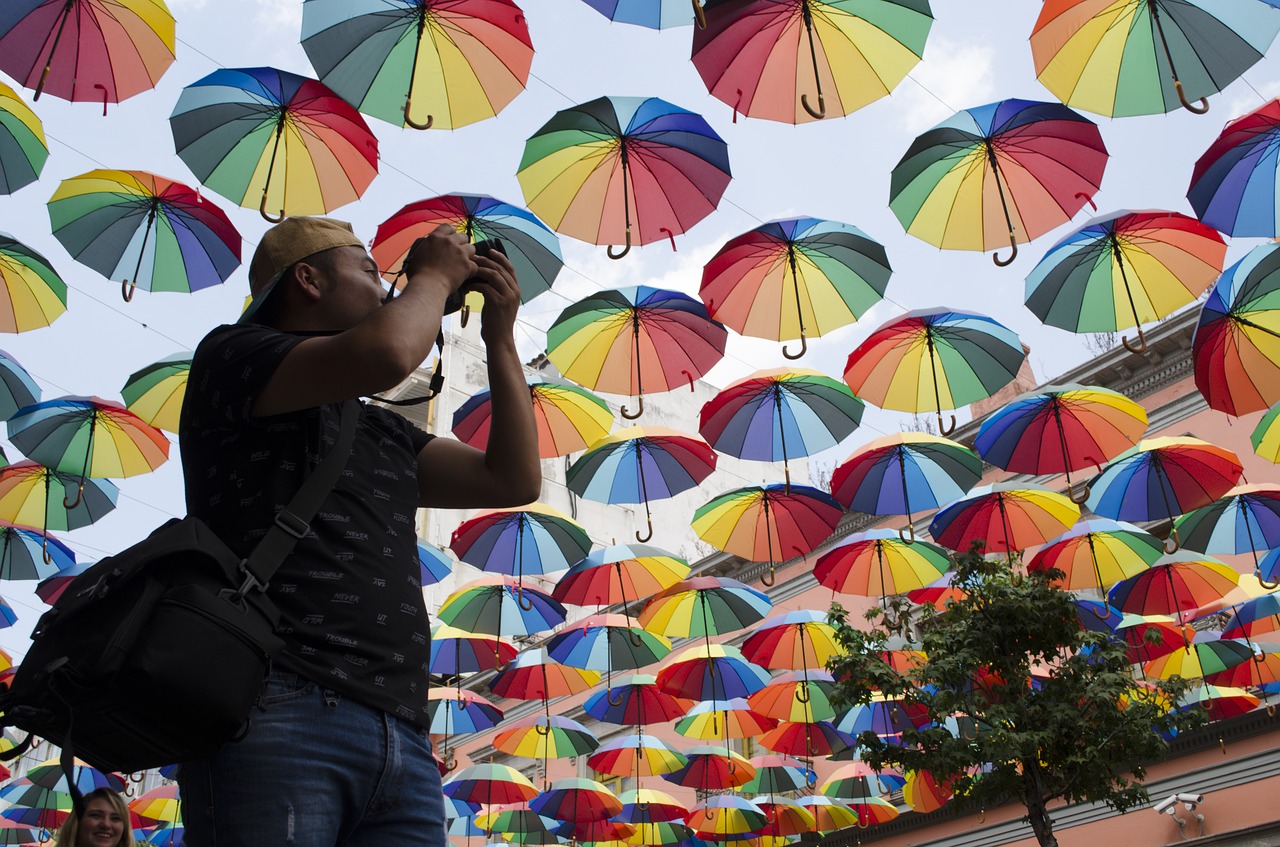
<point>316,770</point>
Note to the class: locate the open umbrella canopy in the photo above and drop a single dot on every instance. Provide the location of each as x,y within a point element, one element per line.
<point>703,606</point>
<point>161,804</point>
<point>1255,617</point>
<point>797,62</point>
<point>770,523</point>
<point>32,295</point>
<point>635,700</point>
<point>807,738</point>
<point>873,810</point>
<point>576,800</point>
<point>534,675</point>
<point>1266,435</point>
<point>1006,172</point>
<point>779,774</point>
<point>488,783</point>
<point>569,418</point>
<point>1179,584</point>
<point>533,539</point>
<point>933,360</point>
<point>624,170</point>
<point>501,606</point>
<point>30,553</point>
<point>799,640</point>
<point>1097,553</point>
<point>1005,517</point>
<point>710,672</point>
<point>23,148</point>
<point>653,14</point>
<point>51,587</point>
<point>723,719</point>
<point>545,737</point>
<point>457,651</point>
<point>649,805</point>
<point>155,392</point>
<point>858,779</point>
<point>795,278</point>
<point>829,814</point>
<point>89,436</point>
<point>1124,59</point>
<point>1151,636</point>
<point>1236,346</point>
<point>1244,520</point>
<point>712,767</point>
<point>17,388</point>
<point>722,816</point>
<point>607,643</point>
<point>1199,659</point>
<point>275,141</point>
<point>460,711</point>
<point>879,562</point>
<point>420,63</point>
<point>619,573</point>
<point>101,51</point>
<point>784,818</point>
<point>144,231</point>
<point>803,695</point>
<point>1233,185</point>
<point>925,791</point>
<point>636,755</point>
<point>434,563</point>
<point>34,495</point>
<point>904,472</point>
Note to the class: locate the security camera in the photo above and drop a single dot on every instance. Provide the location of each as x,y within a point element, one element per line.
<point>1168,805</point>
<point>1191,800</point>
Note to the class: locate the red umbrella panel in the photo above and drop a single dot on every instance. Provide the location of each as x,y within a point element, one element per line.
<point>1180,584</point>
<point>1005,518</point>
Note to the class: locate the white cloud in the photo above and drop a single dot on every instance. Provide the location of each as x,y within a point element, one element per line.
<point>956,75</point>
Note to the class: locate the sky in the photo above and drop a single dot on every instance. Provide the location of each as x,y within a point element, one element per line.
<point>838,168</point>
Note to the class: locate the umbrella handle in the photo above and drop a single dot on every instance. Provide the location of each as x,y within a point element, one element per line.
<point>410,122</point>
<point>1270,586</point>
<point>1142,342</point>
<point>637,641</point>
<point>820,112</point>
<point>609,696</point>
<point>768,580</point>
<point>1173,536</point>
<point>699,17</point>
<point>671,236</point>
<point>804,346</point>
<point>127,288</point>
<point>44,549</point>
<point>627,247</point>
<point>639,411</point>
<point>262,209</point>
<point>1098,616</point>
<point>79,497</point>
<point>643,539</point>
<point>464,315</point>
<point>520,599</point>
<point>802,695</point>
<point>947,430</point>
<point>908,534</point>
<point>450,761</point>
<point>1004,263</point>
<point>542,730</point>
<point>1182,98</point>
<point>1078,497</point>
<point>104,97</point>
<point>1271,710</point>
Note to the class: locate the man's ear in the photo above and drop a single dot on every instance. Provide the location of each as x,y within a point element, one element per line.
<point>305,279</point>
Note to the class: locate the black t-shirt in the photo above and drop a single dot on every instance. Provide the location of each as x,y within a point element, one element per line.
<point>350,595</point>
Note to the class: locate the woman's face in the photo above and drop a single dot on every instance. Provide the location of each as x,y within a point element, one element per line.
<point>101,825</point>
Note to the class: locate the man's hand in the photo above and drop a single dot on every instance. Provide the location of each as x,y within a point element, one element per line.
<point>444,253</point>
<point>495,280</point>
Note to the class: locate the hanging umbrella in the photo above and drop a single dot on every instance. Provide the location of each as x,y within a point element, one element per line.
<point>32,295</point>
<point>858,779</point>
<point>720,720</point>
<point>784,818</point>
<point>420,63</point>
<point>884,716</point>
<point>639,464</point>
<point>144,230</point>
<point>873,810</point>
<point>489,783</point>
<point>780,414</point>
<point>1219,702</point>
<point>926,792</point>
<point>803,696</point>
<point>939,594</point>
<point>545,737</point>
<point>435,563</point>
<point>1006,517</point>
<point>1008,170</point>
<point>519,825</point>
<point>458,711</point>
<point>1087,425</point>
<point>636,755</point>
<point>34,495</point>
<point>807,738</point>
<point>790,277</point>
<point>800,641</point>
<point>1179,585</point>
<point>237,127</point>
<point>1262,668</point>
<point>87,50</point>
<point>1151,636</point>
<point>533,249</point>
<point>576,800</point>
<point>1236,346</point>
<point>1121,59</point>
<point>23,148</point>
<point>724,816</point>
<point>649,805</point>
<point>1257,616</point>
<point>768,523</point>
<point>161,804</point>
<point>664,166</point>
<point>89,436</point>
<point>711,768</point>
<point>1233,185</point>
<point>456,651</point>
<point>1162,478</point>
<point>600,832</point>
<point>653,14</point>
<point>1124,270</point>
<point>607,643</point>
<point>635,700</point>
<point>781,60</point>
<point>1244,520</point>
<point>703,606</point>
<point>779,774</point>
<point>904,472</point>
<point>1266,435</point>
<point>155,393</point>
<point>1097,553</point>
<point>497,606</point>
<point>568,418</point>
<point>934,359</point>
<point>534,539</point>
<point>634,339</point>
<point>710,672</point>
<point>663,833</point>
<point>1199,659</point>
<point>51,587</point>
<point>534,675</point>
<point>17,388</point>
<point>828,813</point>
<point>619,573</point>
<point>879,562</point>
<point>30,553</point>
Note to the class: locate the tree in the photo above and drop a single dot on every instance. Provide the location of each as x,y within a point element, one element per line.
<point>1048,710</point>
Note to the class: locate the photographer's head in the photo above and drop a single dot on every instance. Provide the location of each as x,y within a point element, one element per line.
<point>312,273</point>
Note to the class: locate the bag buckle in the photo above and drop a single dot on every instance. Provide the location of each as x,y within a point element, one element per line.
<point>292,524</point>
<point>251,583</point>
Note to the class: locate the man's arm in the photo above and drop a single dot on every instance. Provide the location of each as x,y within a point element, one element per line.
<point>507,472</point>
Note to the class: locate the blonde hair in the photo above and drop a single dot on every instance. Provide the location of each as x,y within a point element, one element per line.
<point>70,828</point>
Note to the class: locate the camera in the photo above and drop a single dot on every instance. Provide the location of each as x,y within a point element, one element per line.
<point>457,298</point>
<point>1167,805</point>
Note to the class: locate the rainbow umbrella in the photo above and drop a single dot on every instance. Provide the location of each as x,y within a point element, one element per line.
<point>459,61</point>
<point>665,167</point>
<point>607,643</point>
<point>626,340</point>
<point>489,783</point>
<point>653,14</point>
<point>1008,170</point>
<point>721,720</point>
<point>154,393</point>
<point>1244,520</point>
<point>635,700</point>
<point>1125,270</point>
<point>802,696</point>
<point>545,737</point>
<point>32,295</point>
<point>605,833</point>
<point>161,804</point>
<point>533,539</point>
<point>1088,425</point>
<point>533,249</point>
<point>145,231</point>
<point>17,388</point>
<point>576,800</point>
<point>8,617</point>
<point>829,814</point>
<point>780,414</point>
<point>664,834</point>
<point>1254,617</point>
<point>435,563</point>
<point>858,779</point>
<point>1266,435</point>
<point>639,464</point>
<point>1233,185</point>
<point>1005,517</point>
<point>1198,659</point>
<point>636,755</point>
<point>1261,669</point>
<point>237,127</point>
<point>934,359</point>
<point>34,495</point>
<point>873,810</point>
<point>925,792</point>
<point>50,588</point>
<point>456,651</point>
<point>23,149</point>
<point>939,593</point>
<point>1161,478</point>
<point>519,825</point>
<point>903,472</point>
<point>712,768</point>
<point>619,573</point>
<point>649,805</point>
<point>1097,553</point>
<point>1151,636</point>
<point>458,712</point>
<point>710,672</point>
<point>534,675</point>
<point>800,641</point>
<point>884,716</point>
<point>784,818</point>
<point>89,436</point>
<point>1219,702</point>
<point>87,50</point>
<point>500,606</point>
<point>768,523</point>
<point>1120,59</point>
<point>703,606</point>
<point>779,774</point>
<point>724,816</point>
<point>879,562</point>
<point>836,274</point>
<point>807,738</point>
<point>569,418</point>
<point>1179,584</point>
<point>1102,616</point>
<point>30,553</point>
<point>1236,346</point>
<point>780,60</point>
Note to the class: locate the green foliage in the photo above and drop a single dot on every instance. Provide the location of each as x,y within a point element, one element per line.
<point>1045,709</point>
